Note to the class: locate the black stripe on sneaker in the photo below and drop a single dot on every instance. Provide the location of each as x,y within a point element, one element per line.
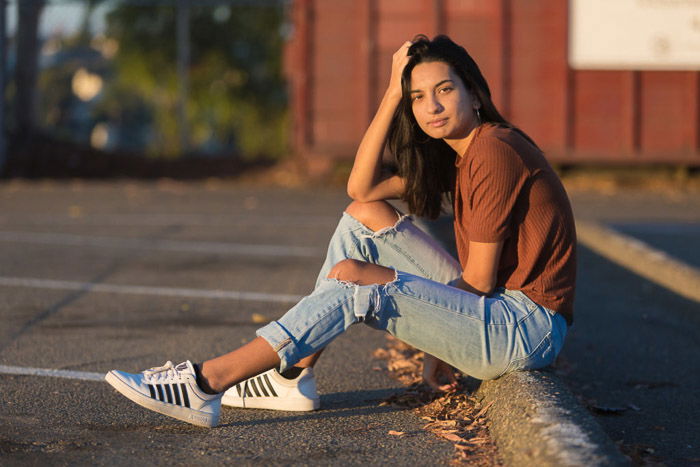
<point>168,393</point>
<point>269,385</point>
<point>261,385</point>
<point>152,391</point>
<point>160,392</point>
<point>238,388</point>
<point>185,397</point>
<point>255,387</point>
<point>176,391</point>
<point>246,390</point>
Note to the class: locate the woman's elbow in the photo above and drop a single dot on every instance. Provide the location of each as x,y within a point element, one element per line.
<point>490,288</point>
<point>355,194</point>
<point>485,287</point>
<point>482,285</point>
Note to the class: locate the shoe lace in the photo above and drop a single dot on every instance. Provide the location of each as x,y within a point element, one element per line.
<point>165,372</point>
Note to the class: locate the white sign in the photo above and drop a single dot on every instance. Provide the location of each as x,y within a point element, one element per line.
<point>634,34</point>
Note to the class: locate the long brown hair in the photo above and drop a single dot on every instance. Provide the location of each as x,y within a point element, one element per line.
<point>427,164</point>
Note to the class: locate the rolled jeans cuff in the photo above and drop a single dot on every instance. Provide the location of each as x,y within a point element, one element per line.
<point>281,342</point>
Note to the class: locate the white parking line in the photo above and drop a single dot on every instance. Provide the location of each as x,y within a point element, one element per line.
<point>68,374</point>
<point>145,290</point>
<point>199,220</point>
<point>640,258</point>
<point>222,248</point>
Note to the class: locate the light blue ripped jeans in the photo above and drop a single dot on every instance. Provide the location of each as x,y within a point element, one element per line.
<point>483,337</point>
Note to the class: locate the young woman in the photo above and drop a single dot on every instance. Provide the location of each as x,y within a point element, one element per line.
<point>503,307</point>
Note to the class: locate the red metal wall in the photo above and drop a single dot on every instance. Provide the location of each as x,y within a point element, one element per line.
<point>339,58</point>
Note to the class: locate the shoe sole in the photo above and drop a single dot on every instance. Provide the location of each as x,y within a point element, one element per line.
<point>284,404</point>
<point>184,414</point>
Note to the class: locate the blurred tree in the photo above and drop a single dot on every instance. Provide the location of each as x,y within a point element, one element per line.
<point>237,97</point>
<point>28,12</point>
<point>84,35</point>
<point>64,111</point>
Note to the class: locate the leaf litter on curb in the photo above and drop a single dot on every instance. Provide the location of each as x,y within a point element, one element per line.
<point>456,416</point>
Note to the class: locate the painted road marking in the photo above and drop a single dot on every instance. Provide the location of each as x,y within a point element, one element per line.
<point>245,220</point>
<point>145,290</point>
<point>68,374</point>
<point>222,248</point>
<point>665,228</point>
<point>640,258</point>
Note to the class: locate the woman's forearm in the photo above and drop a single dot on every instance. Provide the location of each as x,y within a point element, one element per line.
<point>366,182</point>
<point>366,170</point>
<point>461,283</point>
<point>479,275</point>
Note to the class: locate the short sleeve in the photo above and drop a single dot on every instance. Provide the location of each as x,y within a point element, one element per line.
<point>497,175</point>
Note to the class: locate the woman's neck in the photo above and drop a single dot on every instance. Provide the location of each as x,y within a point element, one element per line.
<point>460,145</point>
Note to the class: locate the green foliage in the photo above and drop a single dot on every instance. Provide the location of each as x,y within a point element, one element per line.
<point>237,94</point>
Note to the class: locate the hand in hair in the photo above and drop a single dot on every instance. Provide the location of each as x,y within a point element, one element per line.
<point>398,63</point>
<point>367,182</point>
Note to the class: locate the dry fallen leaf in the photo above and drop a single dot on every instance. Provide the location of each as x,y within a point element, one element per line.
<point>396,433</point>
<point>371,426</point>
<point>401,364</point>
<point>451,437</point>
<point>478,440</point>
<point>446,422</point>
<point>452,416</point>
<point>483,411</point>
<point>75,211</point>
<point>258,318</point>
<point>464,447</point>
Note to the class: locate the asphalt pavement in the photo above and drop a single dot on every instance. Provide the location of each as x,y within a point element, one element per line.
<point>127,275</point>
<point>155,245</point>
<point>632,354</point>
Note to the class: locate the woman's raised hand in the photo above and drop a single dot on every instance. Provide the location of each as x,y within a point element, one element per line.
<point>367,182</point>
<point>398,63</point>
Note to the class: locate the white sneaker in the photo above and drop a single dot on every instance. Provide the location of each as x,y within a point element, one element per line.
<point>271,390</point>
<point>170,390</point>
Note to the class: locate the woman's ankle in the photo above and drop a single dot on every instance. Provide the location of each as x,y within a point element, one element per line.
<point>203,382</point>
<point>292,373</point>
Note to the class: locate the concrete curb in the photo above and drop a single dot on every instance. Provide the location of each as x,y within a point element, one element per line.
<point>536,420</point>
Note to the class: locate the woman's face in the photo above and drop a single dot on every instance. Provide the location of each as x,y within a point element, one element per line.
<point>441,104</point>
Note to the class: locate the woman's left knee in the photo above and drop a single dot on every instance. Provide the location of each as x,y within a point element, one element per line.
<point>346,270</point>
<point>361,272</point>
<point>375,215</point>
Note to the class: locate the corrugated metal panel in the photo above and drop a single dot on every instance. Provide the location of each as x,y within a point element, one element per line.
<point>539,89</point>
<point>341,57</point>
<point>669,104</point>
<point>600,123</point>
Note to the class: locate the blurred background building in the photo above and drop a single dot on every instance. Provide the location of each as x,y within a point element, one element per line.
<point>592,81</point>
<point>92,86</point>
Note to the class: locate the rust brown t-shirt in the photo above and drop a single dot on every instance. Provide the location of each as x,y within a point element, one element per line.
<point>506,191</point>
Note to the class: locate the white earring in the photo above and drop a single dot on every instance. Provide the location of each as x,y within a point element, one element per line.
<point>478,115</point>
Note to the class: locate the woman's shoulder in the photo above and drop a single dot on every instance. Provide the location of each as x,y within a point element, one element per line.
<point>502,138</point>
<point>494,138</point>
<point>497,148</point>
<point>492,133</point>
